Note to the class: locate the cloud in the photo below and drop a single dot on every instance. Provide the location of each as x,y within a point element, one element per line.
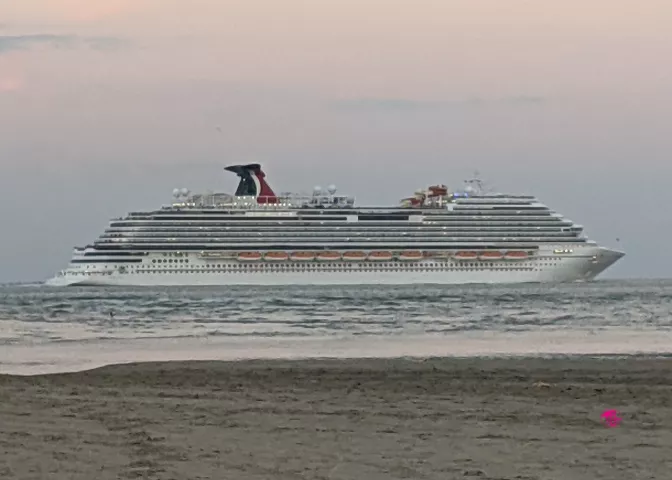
<point>23,42</point>
<point>411,105</point>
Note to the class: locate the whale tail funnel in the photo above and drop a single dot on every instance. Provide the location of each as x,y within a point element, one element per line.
<point>253,183</point>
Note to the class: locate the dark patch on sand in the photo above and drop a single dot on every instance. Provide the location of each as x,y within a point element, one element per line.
<point>487,419</point>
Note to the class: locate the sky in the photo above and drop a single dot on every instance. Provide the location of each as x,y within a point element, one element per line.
<point>107,106</point>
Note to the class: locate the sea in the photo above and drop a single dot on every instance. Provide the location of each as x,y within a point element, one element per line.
<point>48,330</point>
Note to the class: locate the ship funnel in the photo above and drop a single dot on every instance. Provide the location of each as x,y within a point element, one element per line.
<point>253,183</point>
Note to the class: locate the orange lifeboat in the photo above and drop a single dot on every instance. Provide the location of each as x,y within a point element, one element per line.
<point>354,256</point>
<point>466,256</point>
<point>328,256</point>
<point>249,256</point>
<point>380,256</point>
<point>491,255</point>
<point>516,255</point>
<point>303,256</point>
<point>276,256</point>
<point>411,255</point>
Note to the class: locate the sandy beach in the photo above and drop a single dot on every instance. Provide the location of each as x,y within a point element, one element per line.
<point>370,419</point>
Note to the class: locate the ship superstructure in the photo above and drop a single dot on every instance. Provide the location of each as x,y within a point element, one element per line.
<point>255,237</point>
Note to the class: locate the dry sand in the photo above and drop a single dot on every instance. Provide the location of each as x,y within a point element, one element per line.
<point>342,419</point>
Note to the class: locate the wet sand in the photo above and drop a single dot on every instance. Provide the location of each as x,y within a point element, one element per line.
<point>368,419</point>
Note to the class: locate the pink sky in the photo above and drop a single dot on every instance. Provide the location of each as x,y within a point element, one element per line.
<point>425,49</point>
<point>588,60</point>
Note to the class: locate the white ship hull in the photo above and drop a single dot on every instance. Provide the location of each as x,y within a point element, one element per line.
<point>584,265</point>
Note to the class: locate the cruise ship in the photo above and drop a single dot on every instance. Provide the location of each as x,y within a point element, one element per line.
<point>255,237</point>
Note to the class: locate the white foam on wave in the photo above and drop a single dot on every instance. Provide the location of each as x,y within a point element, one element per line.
<point>76,356</point>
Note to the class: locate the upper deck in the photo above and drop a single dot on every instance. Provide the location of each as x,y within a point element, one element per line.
<point>254,194</point>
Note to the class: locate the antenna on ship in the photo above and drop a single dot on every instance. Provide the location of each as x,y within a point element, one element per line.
<point>473,185</point>
<point>476,186</point>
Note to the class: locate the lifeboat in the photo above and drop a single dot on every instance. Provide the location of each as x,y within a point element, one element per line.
<point>411,255</point>
<point>491,255</point>
<point>380,256</point>
<point>466,256</point>
<point>516,255</point>
<point>328,256</point>
<point>303,256</point>
<point>354,256</point>
<point>276,256</point>
<point>249,256</point>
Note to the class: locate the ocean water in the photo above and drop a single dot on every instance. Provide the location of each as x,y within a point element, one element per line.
<point>49,330</point>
